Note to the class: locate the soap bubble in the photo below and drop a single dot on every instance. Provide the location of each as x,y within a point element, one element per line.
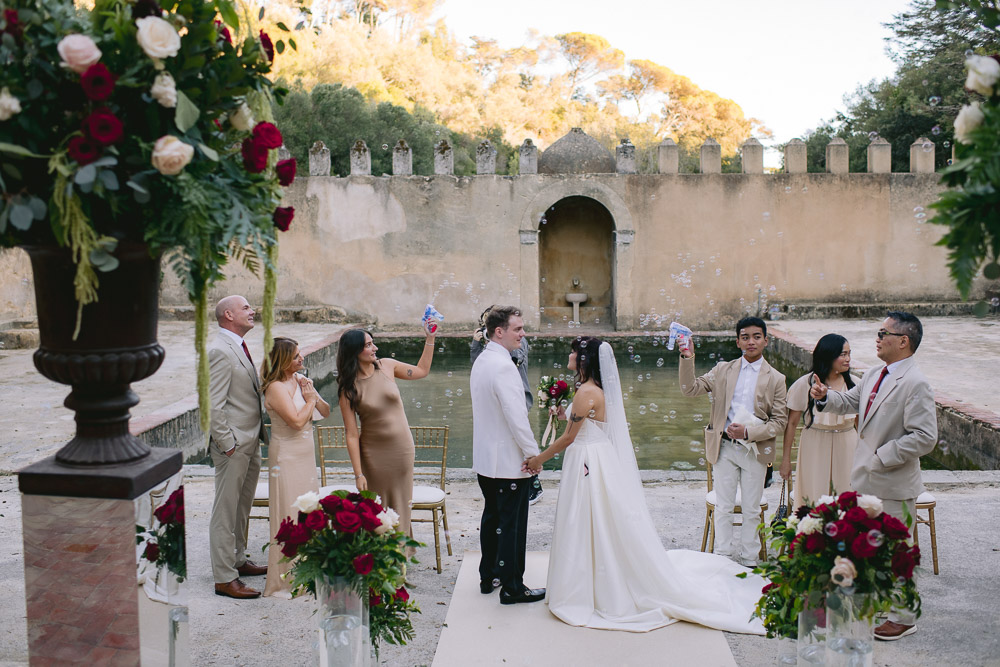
<point>449,373</point>
<point>766,216</point>
<point>788,189</point>
<point>927,147</point>
<point>913,268</point>
<point>385,147</point>
<point>843,287</point>
<point>969,53</point>
<point>637,358</point>
<point>947,144</point>
<point>698,417</point>
<point>458,391</point>
<point>653,407</point>
<point>872,136</point>
<point>418,404</point>
<point>875,538</point>
<point>936,129</point>
<point>948,162</point>
<point>934,100</point>
<point>659,362</point>
<point>642,409</point>
<point>924,82</point>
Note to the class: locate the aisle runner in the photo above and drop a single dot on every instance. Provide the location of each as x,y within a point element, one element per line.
<point>481,631</point>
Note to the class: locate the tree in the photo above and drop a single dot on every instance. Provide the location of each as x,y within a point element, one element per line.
<point>588,56</point>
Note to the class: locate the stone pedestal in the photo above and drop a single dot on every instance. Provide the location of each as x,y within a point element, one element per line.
<point>444,158</point>
<point>402,159</point>
<point>361,159</point>
<point>837,160</point>
<point>879,156</point>
<point>486,158</point>
<point>753,157</point>
<point>922,156</point>
<point>92,595</point>
<point>795,157</point>
<point>668,157</point>
<point>711,157</point>
<point>319,160</point>
<point>625,161</point>
<point>528,158</point>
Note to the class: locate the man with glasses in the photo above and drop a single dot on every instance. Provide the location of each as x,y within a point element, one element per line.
<point>898,425</point>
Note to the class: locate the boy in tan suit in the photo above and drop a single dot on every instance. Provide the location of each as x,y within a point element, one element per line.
<point>748,413</point>
<point>236,430</point>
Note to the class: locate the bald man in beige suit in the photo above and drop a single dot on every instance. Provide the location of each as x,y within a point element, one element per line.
<point>898,425</point>
<point>237,428</point>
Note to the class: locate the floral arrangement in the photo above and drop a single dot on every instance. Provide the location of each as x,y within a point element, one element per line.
<point>352,535</point>
<point>145,121</point>
<point>841,543</point>
<point>165,545</point>
<point>552,392</point>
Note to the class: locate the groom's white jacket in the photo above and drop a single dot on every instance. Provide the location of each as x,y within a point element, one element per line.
<point>501,435</point>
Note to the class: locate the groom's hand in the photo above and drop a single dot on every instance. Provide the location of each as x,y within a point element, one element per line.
<point>737,431</point>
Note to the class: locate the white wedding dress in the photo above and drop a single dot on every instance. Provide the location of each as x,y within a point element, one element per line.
<point>607,567</point>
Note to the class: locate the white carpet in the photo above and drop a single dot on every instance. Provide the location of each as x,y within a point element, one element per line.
<point>481,631</point>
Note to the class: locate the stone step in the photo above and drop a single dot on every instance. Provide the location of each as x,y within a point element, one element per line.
<point>829,311</point>
<point>302,314</point>
<point>19,335</point>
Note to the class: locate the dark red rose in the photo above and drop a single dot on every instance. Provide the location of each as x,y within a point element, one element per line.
<point>284,530</point>
<point>363,564</point>
<point>861,547</point>
<point>165,513</point>
<point>223,31</point>
<point>315,520</point>
<point>823,511</point>
<point>893,528</point>
<point>143,8</point>
<point>845,530</point>
<point>815,542</point>
<point>768,588</point>
<point>265,43</point>
<point>347,521</point>
<point>98,82</point>
<point>283,217</point>
<point>904,560</point>
<point>331,504</point>
<point>267,135</point>
<point>103,127</point>
<point>368,519</point>
<point>254,156</point>
<point>553,391</point>
<point>402,594</point>
<point>374,599</point>
<point>796,544</point>
<point>152,552</point>
<point>856,515</point>
<point>82,150</point>
<point>371,505</point>
<point>562,386</point>
<point>286,171</point>
<point>13,28</point>
<point>847,500</point>
<point>290,550</point>
<point>355,497</point>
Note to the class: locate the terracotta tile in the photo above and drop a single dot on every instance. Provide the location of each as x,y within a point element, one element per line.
<point>116,640</point>
<point>125,659</point>
<point>126,624</point>
<point>101,655</point>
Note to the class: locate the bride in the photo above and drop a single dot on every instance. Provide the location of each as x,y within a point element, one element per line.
<point>607,567</point>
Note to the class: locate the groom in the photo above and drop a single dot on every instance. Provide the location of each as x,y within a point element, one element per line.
<point>501,441</point>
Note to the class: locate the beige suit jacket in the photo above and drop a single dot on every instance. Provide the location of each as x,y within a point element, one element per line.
<point>234,393</point>
<point>769,404</point>
<point>900,427</point>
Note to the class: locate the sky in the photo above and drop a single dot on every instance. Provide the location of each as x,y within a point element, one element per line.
<point>788,63</point>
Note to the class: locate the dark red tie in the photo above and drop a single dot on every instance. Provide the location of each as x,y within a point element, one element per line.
<point>250,359</point>
<point>871,397</point>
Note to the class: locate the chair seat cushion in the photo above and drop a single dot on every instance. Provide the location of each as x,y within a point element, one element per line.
<point>711,499</point>
<point>327,490</point>
<point>926,498</point>
<point>261,493</point>
<point>427,495</point>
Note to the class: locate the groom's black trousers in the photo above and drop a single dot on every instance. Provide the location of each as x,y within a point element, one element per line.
<point>503,531</point>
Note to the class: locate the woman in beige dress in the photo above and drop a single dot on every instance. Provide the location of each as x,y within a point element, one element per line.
<point>382,452</point>
<point>291,401</point>
<point>826,448</point>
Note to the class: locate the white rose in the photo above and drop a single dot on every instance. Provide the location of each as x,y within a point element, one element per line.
<point>307,502</point>
<point>386,524</point>
<point>969,118</point>
<point>78,52</point>
<point>871,505</point>
<point>809,525</point>
<point>164,90</point>
<point>157,38</point>
<point>9,105</point>
<point>826,500</point>
<point>983,74</point>
<point>393,517</point>
<point>843,572</point>
<point>242,118</point>
<point>170,156</point>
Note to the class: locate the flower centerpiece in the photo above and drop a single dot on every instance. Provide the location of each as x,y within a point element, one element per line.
<point>141,123</point>
<point>351,535</point>
<point>842,543</point>
<point>552,393</point>
<point>165,545</point>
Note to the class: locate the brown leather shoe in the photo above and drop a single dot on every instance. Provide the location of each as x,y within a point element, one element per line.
<point>891,631</point>
<point>236,589</point>
<point>250,569</point>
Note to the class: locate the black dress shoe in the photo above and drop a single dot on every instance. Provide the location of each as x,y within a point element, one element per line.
<point>487,587</point>
<point>526,595</point>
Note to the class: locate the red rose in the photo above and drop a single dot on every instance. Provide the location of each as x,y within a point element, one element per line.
<point>284,530</point>
<point>847,500</point>
<point>855,515</point>
<point>861,548</point>
<point>553,391</point>
<point>265,43</point>
<point>98,82</point>
<point>374,599</point>
<point>254,156</point>
<point>368,519</point>
<point>371,505</point>
<point>904,560</point>
<point>768,588</point>
<point>814,543</point>
<point>355,497</point>
<point>286,171</point>
<point>796,543</point>
<point>893,528</point>
<point>290,550</point>
<point>82,150</point>
<point>223,31</point>
<point>152,552</point>
<point>363,564</point>
<point>562,386</point>
<point>347,521</point>
<point>165,512</point>
<point>177,498</point>
<point>267,135</point>
<point>315,520</point>
<point>845,530</point>
<point>13,24</point>
<point>331,504</point>
<point>103,127</point>
<point>283,217</point>
<point>401,594</point>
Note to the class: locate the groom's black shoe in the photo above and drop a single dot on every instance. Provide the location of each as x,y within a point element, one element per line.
<point>487,587</point>
<point>526,595</point>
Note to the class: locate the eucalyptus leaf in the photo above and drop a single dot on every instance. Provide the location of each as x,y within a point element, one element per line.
<point>20,216</point>
<point>13,171</point>
<point>103,261</point>
<point>88,187</point>
<point>35,88</point>
<point>280,46</point>
<point>109,179</point>
<point>38,208</point>
<point>18,150</point>
<point>291,43</point>
<point>228,12</point>
<point>86,176</point>
<point>260,14</point>
<point>210,153</point>
<point>106,161</point>
<point>186,114</point>
<point>142,197</point>
<point>282,26</point>
<point>135,186</point>
<point>300,25</point>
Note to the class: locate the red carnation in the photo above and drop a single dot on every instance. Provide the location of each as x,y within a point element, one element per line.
<point>286,171</point>
<point>265,43</point>
<point>98,82</point>
<point>893,528</point>
<point>855,515</point>
<point>254,156</point>
<point>82,150</point>
<point>401,594</point>
<point>283,217</point>
<point>847,500</point>
<point>814,543</point>
<point>363,564</point>
<point>152,552</point>
<point>267,135</point>
<point>315,520</point>
<point>103,127</point>
<point>861,547</point>
<point>904,560</point>
<point>13,24</point>
<point>223,31</point>
<point>347,521</point>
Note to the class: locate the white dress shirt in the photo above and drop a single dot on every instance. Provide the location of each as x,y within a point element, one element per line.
<point>746,388</point>
<point>501,434</point>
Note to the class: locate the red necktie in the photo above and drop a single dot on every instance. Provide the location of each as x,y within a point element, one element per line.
<point>250,359</point>
<point>871,397</point>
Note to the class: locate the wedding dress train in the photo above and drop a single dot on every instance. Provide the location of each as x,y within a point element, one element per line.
<point>607,567</point>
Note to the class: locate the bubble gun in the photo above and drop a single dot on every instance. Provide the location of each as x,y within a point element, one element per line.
<point>431,313</point>
<point>678,329</point>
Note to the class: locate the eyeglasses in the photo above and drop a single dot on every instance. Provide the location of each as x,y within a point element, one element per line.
<point>883,333</point>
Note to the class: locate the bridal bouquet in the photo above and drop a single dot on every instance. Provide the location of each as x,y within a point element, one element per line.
<point>552,392</point>
<point>841,543</point>
<point>165,545</point>
<point>351,535</point>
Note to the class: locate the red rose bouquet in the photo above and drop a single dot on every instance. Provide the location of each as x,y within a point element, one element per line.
<point>165,544</point>
<point>845,542</point>
<point>351,535</point>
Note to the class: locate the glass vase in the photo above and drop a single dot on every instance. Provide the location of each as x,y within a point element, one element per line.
<point>345,639</point>
<point>787,652</point>
<point>811,642</point>
<point>850,629</point>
